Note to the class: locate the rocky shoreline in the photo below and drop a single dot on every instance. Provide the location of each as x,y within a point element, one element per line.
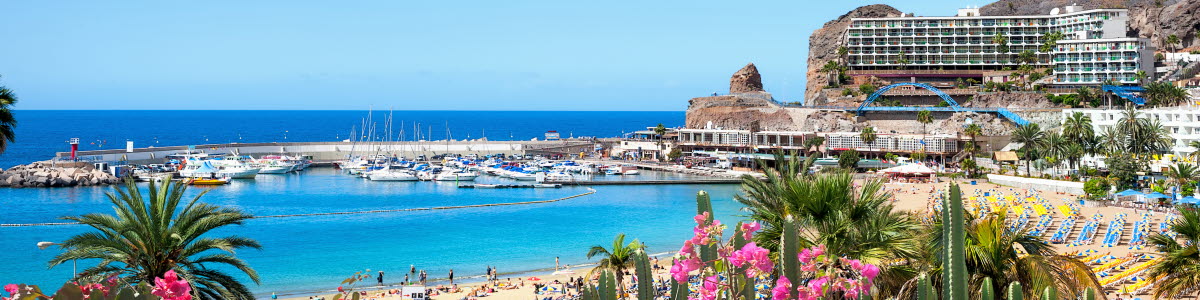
<point>45,174</point>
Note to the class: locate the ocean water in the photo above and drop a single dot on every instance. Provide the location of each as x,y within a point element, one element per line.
<point>310,254</point>
<point>40,133</point>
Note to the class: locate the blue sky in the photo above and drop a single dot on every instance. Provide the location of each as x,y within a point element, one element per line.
<point>415,55</point>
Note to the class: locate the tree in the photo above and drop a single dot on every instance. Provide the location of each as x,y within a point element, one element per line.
<point>866,89</point>
<point>924,117</point>
<point>1085,94</point>
<point>1031,138</point>
<point>659,131</point>
<point>1001,42</point>
<point>973,130</point>
<point>1165,94</point>
<point>1096,188</point>
<point>1178,269</point>
<point>992,252</point>
<point>814,143</point>
<point>616,260</point>
<point>1054,148</point>
<point>868,136</point>
<point>1181,174</point>
<point>848,159</point>
<point>1049,40</point>
<point>675,154</point>
<point>153,233</point>
<point>1078,127</point>
<point>859,223</point>
<point>1027,57</point>
<point>1172,40</point>
<point>8,123</point>
<point>1195,154</point>
<point>1140,76</point>
<point>919,155</point>
<point>902,59</point>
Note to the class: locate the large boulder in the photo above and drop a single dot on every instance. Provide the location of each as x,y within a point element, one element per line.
<point>746,80</point>
<point>825,41</point>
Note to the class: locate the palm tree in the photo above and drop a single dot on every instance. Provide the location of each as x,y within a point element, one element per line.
<point>1140,76</point>
<point>659,131</point>
<point>1180,267</point>
<point>973,130</point>
<point>1001,42</point>
<point>1171,41</point>
<point>842,52</point>
<point>1049,40</point>
<point>152,234</point>
<point>618,259</point>
<point>1078,127</point>
<point>925,117</point>
<point>1181,174</point>
<point>868,136</point>
<point>1027,57</point>
<point>857,223</point>
<point>1032,139</point>
<point>1012,255</point>
<point>813,143</point>
<point>1054,148</point>
<point>8,123</point>
<point>1195,155</point>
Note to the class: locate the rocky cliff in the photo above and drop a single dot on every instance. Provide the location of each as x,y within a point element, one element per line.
<point>825,41</point>
<point>746,107</point>
<point>1147,18</point>
<point>42,174</point>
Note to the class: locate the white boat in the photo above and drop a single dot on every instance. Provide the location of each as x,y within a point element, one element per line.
<point>274,169</point>
<point>218,168</point>
<point>547,185</point>
<point>391,175</point>
<point>486,186</point>
<point>522,176</point>
<point>455,175</point>
<point>559,177</point>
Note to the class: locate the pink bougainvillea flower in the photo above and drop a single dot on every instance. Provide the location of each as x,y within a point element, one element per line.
<point>708,290</point>
<point>749,228</point>
<point>12,288</point>
<point>818,285</point>
<point>682,267</point>
<point>701,219</point>
<point>171,287</point>
<point>782,289</point>
<point>755,257</point>
<point>870,272</point>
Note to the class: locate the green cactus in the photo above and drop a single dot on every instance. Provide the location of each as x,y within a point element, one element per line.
<point>925,289</point>
<point>985,290</point>
<point>1050,293</point>
<point>955,269</point>
<point>1089,294</point>
<point>679,290</point>
<point>608,286</point>
<point>708,253</point>
<point>789,246</point>
<point>590,292</point>
<point>1015,292</point>
<point>645,277</point>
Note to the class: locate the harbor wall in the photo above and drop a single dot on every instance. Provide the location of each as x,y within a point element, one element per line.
<point>1038,184</point>
<point>332,151</point>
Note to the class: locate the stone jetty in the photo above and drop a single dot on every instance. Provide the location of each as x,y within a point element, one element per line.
<point>45,174</point>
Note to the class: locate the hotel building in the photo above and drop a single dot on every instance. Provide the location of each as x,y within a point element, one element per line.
<point>940,50</point>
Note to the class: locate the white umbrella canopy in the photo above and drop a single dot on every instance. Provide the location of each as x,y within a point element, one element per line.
<point>908,169</point>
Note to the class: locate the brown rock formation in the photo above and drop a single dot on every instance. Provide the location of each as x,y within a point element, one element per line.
<point>825,41</point>
<point>746,80</point>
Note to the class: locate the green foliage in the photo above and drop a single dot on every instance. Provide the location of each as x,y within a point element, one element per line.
<point>848,92</point>
<point>866,89</point>
<point>789,242</point>
<point>1050,293</point>
<point>679,290</point>
<point>608,289</point>
<point>942,104</point>
<point>925,289</point>
<point>704,205</point>
<point>152,233</point>
<point>8,123</point>
<point>848,159</point>
<point>617,260</point>
<point>1089,294</point>
<point>675,154</point>
<point>1049,40</point>
<point>1096,188</point>
<point>1179,257</point>
<point>1165,94</point>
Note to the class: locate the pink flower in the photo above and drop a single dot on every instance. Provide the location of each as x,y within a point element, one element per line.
<point>171,287</point>
<point>870,272</point>
<point>88,289</point>
<point>750,228</point>
<point>804,293</point>
<point>12,289</point>
<point>818,285</point>
<point>688,248</point>
<point>708,291</point>
<point>755,257</point>
<point>682,267</point>
<point>701,219</point>
<point>782,289</point>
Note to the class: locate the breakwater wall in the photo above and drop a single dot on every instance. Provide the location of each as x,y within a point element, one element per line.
<point>332,151</point>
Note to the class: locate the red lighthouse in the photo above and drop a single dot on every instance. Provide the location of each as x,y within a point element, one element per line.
<point>74,147</point>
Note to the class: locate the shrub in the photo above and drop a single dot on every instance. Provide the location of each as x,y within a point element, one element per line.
<point>1096,188</point>
<point>848,159</point>
<point>866,89</point>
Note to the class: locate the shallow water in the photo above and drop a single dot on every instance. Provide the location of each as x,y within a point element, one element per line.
<point>307,254</point>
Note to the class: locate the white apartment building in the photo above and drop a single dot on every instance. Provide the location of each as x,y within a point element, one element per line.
<point>936,46</point>
<point>1182,122</point>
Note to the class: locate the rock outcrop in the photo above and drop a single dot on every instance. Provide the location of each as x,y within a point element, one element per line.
<point>746,107</point>
<point>1147,19</point>
<point>42,174</point>
<point>824,43</point>
<point>746,80</point>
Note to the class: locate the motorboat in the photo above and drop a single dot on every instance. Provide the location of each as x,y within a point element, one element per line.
<point>392,175</point>
<point>208,181</point>
<point>486,186</point>
<point>547,185</point>
<point>455,175</point>
<point>559,177</point>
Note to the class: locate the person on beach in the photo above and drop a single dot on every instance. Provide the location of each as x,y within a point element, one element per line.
<point>405,279</point>
<point>380,278</point>
<point>556,263</point>
<point>451,276</point>
<point>412,269</point>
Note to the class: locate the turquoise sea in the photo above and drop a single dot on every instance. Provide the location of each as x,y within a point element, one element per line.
<point>310,254</point>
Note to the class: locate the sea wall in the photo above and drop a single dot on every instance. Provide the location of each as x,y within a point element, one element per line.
<point>1038,184</point>
<point>41,174</point>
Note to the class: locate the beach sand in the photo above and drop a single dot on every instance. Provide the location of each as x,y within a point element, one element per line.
<point>914,197</point>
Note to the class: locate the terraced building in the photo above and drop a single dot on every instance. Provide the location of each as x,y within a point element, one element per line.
<point>941,50</point>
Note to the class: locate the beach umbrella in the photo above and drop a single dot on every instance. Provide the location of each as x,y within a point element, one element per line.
<point>1156,195</point>
<point>1126,193</point>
